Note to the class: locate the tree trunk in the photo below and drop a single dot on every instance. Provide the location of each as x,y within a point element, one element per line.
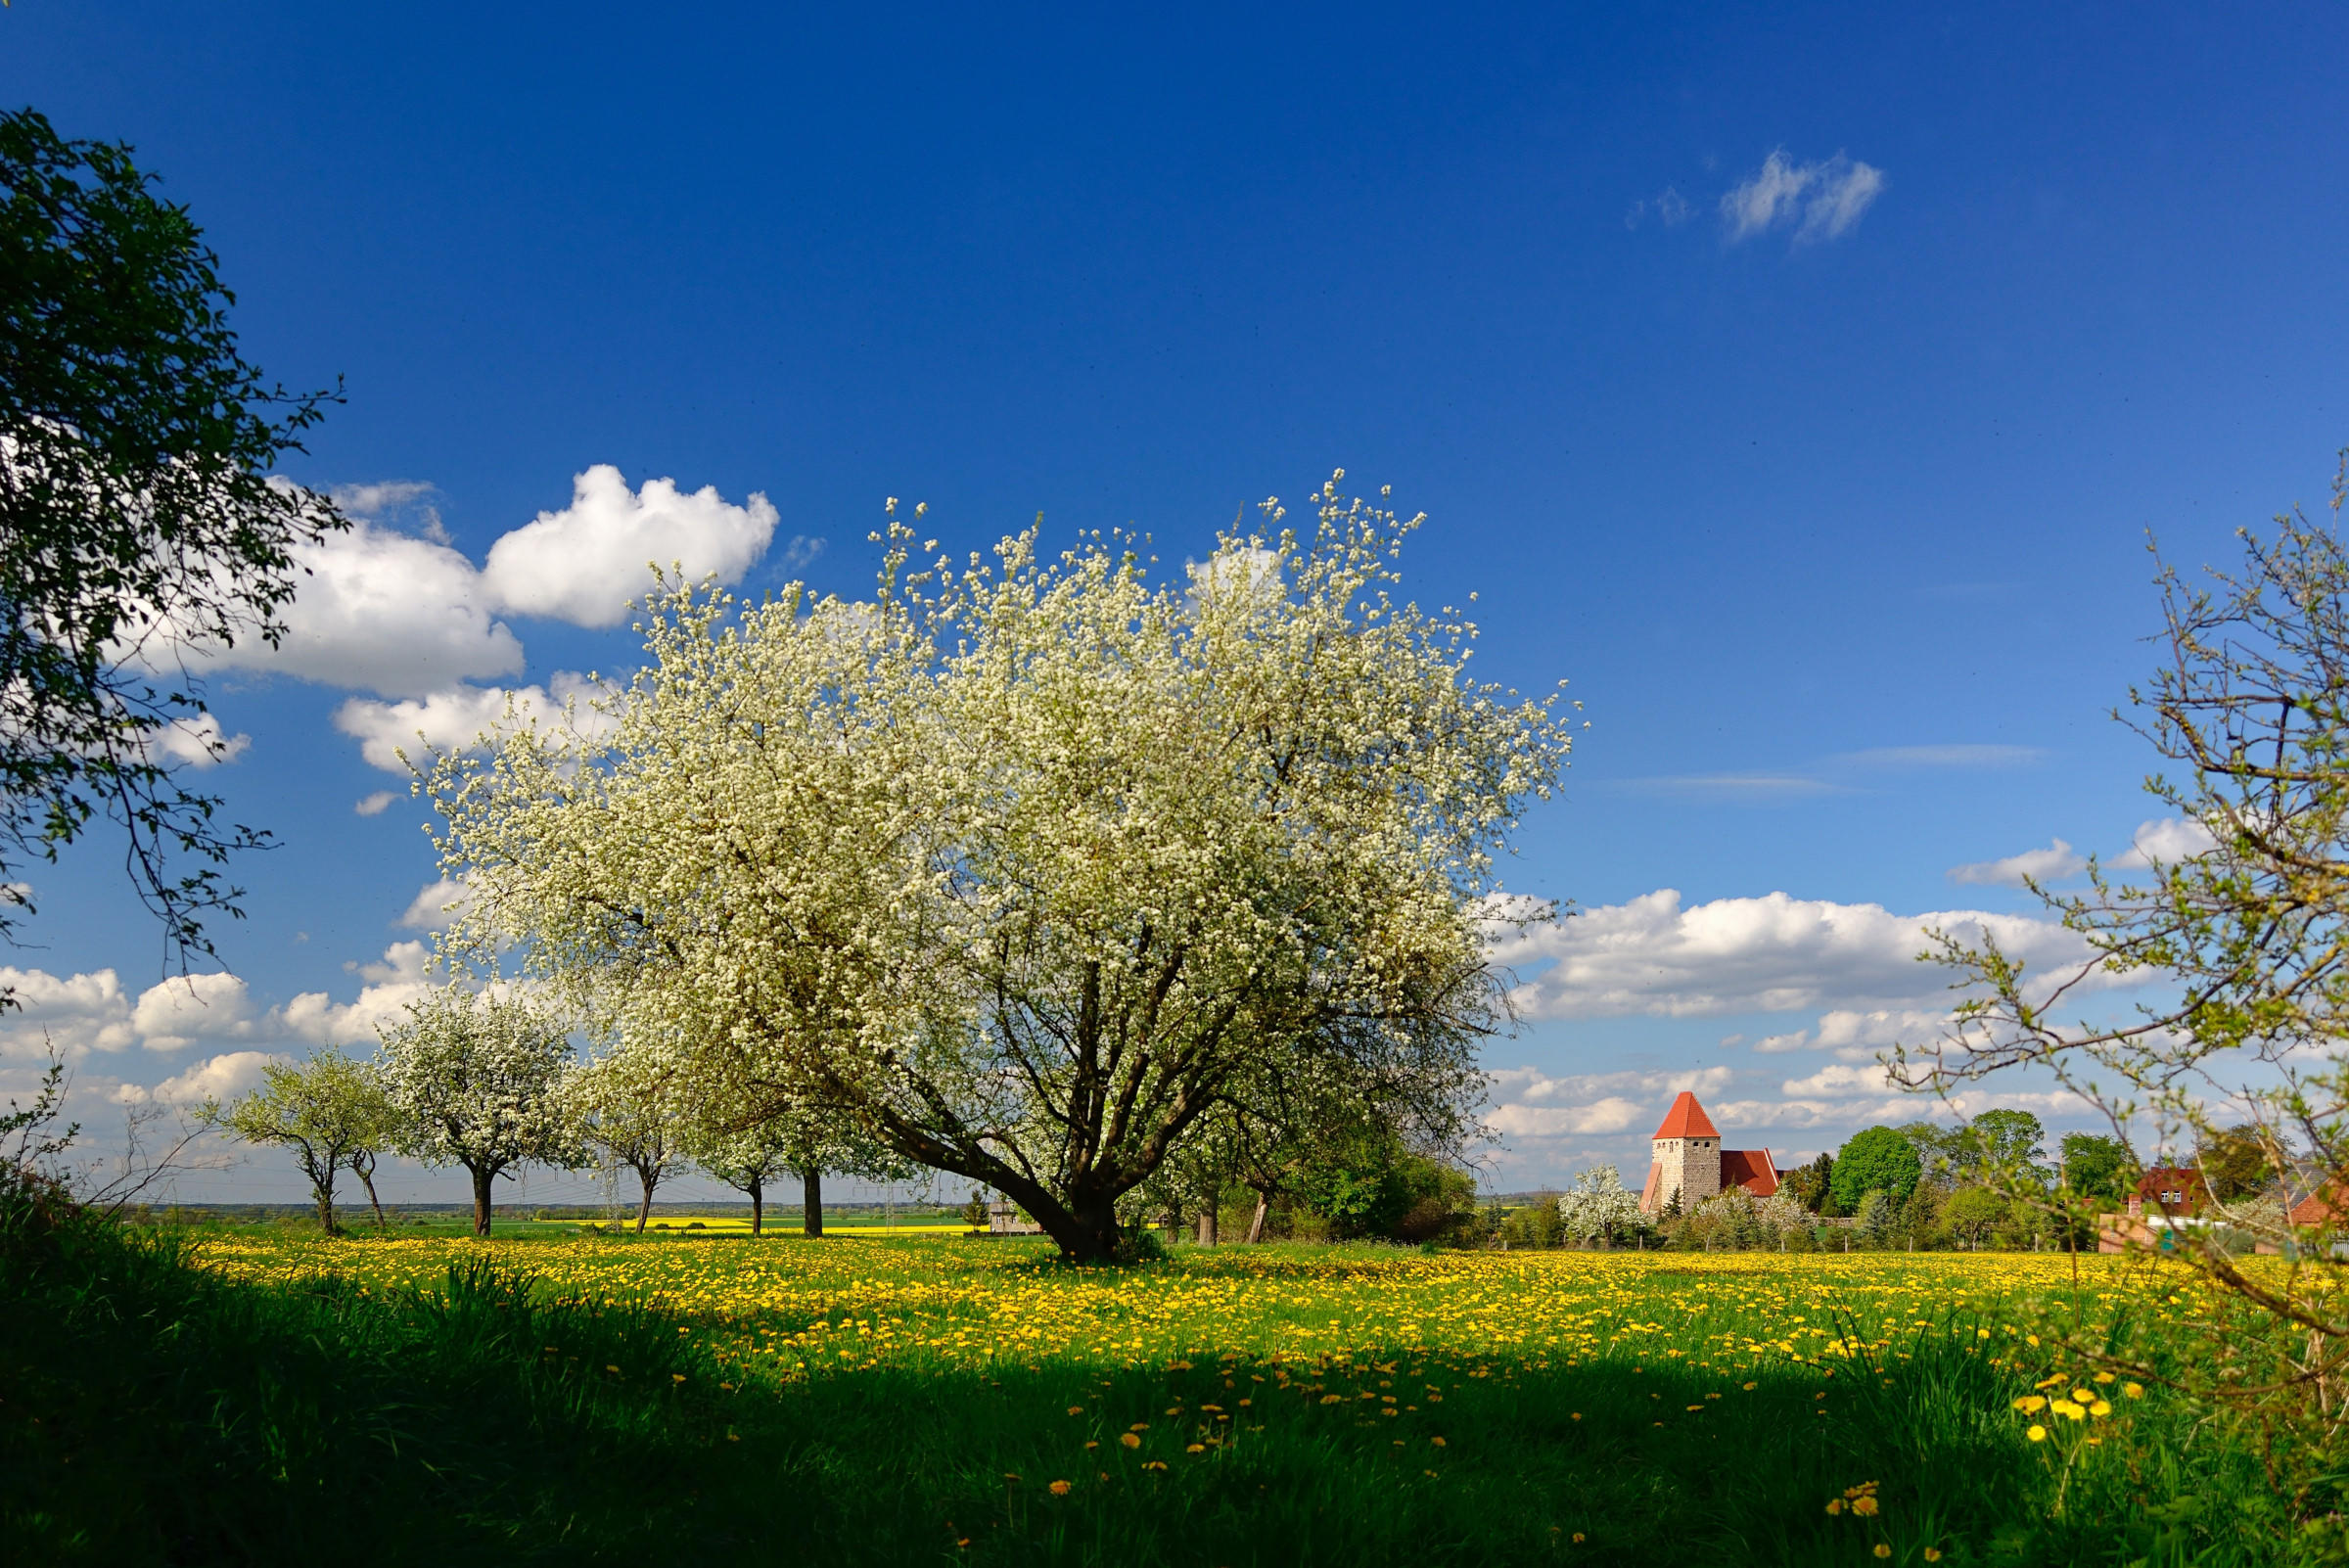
<point>644,1211</point>
<point>324,1191</point>
<point>1207,1226</point>
<point>365,1172</point>
<point>812,1200</point>
<point>1256,1225</point>
<point>482,1175</point>
<point>758,1191</point>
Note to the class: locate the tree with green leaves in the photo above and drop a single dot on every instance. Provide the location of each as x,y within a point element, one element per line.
<point>1877,1159</point>
<point>330,1112</point>
<point>476,1080</point>
<point>1972,1213</point>
<point>2233,923</point>
<point>2096,1167</point>
<point>140,522</point>
<point>1942,1152</point>
<point>2006,1142</point>
<point>1812,1185</point>
<point>2235,1161</point>
<point>747,1140</point>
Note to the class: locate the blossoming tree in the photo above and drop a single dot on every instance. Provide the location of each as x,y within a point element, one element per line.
<point>475,1079</point>
<point>1023,866</point>
<point>627,1109</point>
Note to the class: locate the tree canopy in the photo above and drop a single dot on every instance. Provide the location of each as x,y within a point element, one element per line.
<point>329,1111</point>
<point>1027,868</point>
<point>139,521</point>
<point>477,1080</point>
<point>1877,1159</point>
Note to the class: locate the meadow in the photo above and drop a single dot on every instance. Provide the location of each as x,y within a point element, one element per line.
<point>553,1396</point>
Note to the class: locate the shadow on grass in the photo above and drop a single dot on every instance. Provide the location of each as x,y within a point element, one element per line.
<point>150,1412</point>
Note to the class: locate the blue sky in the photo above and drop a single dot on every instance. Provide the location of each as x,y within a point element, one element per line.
<point>1831,501</point>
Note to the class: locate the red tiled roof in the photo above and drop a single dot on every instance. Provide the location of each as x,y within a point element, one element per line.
<point>1750,1169</point>
<point>2320,1208</point>
<point>1687,1120</point>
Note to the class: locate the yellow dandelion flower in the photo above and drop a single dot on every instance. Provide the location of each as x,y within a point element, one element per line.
<point>2133,1390</point>
<point>1076,1409</point>
<point>2030,1402</point>
<point>1134,1442</point>
<point>1437,1440</point>
<point>2036,1433</point>
<point>1864,1506</point>
<point>1932,1554</point>
<point>2101,1408</point>
<point>1059,1489</point>
<point>1834,1505</point>
<point>1882,1551</point>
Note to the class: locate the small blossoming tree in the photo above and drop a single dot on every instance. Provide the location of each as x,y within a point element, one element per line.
<point>1599,1208</point>
<point>627,1110</point>
<point>476,1079</point>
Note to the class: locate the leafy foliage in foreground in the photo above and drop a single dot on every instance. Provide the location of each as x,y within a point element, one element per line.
<point>155,1412</point>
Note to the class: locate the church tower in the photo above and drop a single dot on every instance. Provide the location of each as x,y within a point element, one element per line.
<point>1687,1155</point>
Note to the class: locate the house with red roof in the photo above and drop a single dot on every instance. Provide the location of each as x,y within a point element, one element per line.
<point>1690,1163</point>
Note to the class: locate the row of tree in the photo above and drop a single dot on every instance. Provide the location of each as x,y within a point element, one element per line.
<point>488,1081</point>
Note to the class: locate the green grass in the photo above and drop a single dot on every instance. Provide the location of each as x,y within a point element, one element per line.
<point>155,1413</point>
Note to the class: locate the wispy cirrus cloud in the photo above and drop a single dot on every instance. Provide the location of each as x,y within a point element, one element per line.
<point>1819,201</point>
<point>1844,773</point>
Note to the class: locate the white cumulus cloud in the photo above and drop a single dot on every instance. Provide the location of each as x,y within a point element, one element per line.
<point>178,1013</point>
<point>459,717</point>
<point>391,985</point>
<point>1534,1104</point>
<point>434,908</point>
<point>2165,840</point>
<point>1774,953</point>
<point>1858,1036</point>
<point>223,1078</point>
<point>198,742</point>
<point>2051,865</point>
<point>1819,201</point>
<point>585,563</point>
<point>75,1013</point>
<point>380,611</point>
<point>375,804</point>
